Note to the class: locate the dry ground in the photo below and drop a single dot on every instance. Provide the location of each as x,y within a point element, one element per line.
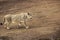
<point>45,22</point>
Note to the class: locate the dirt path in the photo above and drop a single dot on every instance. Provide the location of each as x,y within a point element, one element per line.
<point>45,22</point>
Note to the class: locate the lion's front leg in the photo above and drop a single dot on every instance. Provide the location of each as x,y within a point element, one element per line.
<point>25,25</point>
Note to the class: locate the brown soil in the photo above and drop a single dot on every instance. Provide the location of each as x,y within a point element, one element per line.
<point>45,22</point>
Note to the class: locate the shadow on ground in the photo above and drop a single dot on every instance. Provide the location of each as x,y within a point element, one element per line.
<point>5,38</point>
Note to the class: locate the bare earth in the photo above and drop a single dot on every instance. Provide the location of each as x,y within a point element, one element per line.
<point>45,22</point>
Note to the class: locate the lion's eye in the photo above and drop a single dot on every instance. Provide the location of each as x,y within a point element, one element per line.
<point>28,14</point>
